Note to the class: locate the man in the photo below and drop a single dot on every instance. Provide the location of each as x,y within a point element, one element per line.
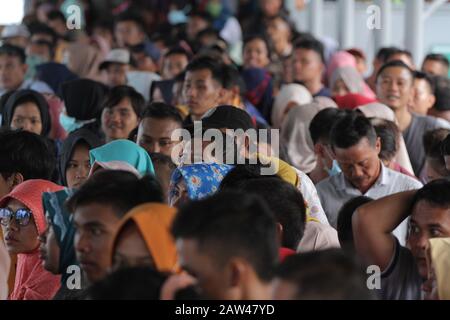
<point>13,69</point>
<point>321,275</point>
<point>309,65</point>
<point>404,269</point>
<point>378,62</point>
<point>155,130</point>
<point>401,55</point>
<point>197,22</point>
<point>424,97</point>
<point>436,64</point>
<point>319,130</point>
<point>395,88</point>
<point>280,33</point>
<point>441,108</point>
<point>174,63</point>
<point>115,67</point>
<point>129,30</point>
<point>202,87</point>
<point>356,147</point>
<point>97,209</point>
<point>229,243</point>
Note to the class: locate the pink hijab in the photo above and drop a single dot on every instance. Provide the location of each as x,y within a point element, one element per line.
<point>32,281</point>
<point>343,59</point>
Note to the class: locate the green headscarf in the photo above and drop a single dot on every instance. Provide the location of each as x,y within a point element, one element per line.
<point>126,151</point>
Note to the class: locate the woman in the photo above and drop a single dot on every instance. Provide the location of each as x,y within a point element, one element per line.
<point>195,182</point>
<point>126,151</point>
<point>144,239</point>
<point>83,105</point>
<point>22,219</point>
<point>27,110</point>
<point>289,96</point>
<point>74,161</point>
<point>122,111</point>
<point>256,52</point>
<point>56,243</point>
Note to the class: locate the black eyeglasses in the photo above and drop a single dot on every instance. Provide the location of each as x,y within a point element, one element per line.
<point>22,216</point>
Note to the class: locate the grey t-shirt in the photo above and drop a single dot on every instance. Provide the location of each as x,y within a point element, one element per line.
<point>413,136</point>
<point>401,279</point>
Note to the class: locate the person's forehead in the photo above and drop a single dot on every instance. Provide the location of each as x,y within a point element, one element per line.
<point>200,74</point>
<point>95,213</point>
<point>159,124</point>
<point>396,72</point>
<point>309,53</point>
<point>9,58</point>
<point>426,213</point>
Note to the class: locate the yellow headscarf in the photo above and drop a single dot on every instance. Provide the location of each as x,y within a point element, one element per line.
<point>440,260</point>
<point>154,221</point>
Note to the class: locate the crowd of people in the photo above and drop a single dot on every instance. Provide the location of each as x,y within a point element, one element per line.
<point>101,199</point>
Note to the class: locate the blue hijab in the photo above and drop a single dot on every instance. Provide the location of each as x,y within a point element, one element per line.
<point>202,179</point>
<point>126,151</point>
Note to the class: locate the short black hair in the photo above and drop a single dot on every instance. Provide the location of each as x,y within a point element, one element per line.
<point>41,28</point>
<point>436,193</point>
<point>432,142</point>
<point>439,58</point>
<point>321,124</point>
<point>138,283</point>
<point>56,15</point>
<point>344,220</point>
<point>389,135</point>
<point>331,274</point>
<point>312,44</point>
<point>284,200</point>
<point>383,53</point>
<point>161,110</point>
<point>395,64</point>
<point>261,37</point>
<point>118,93</point>
<point>119,189</point>
<point>26,153</point>
<point>13,51</point>
<point>239,173</point>
<point>204,62</point>
<point>442,93</point>
<point>232,78</point>
<point>349,130</point>
<point>445,146</point>
<point>419,75</point>
<point>178,50</point>
<point>201,14</point>
<point>132,16</point>
<point>398,51</point>
<point>232,224</point>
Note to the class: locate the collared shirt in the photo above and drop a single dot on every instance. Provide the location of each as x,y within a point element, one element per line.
<point>335,191</point>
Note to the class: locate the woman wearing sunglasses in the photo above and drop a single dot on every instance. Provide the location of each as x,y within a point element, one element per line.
<point>22,220</point>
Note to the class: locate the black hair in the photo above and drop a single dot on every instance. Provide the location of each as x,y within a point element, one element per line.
<point>445,146</point>
<point>312,44</point>
<point>56,15</point>
<point>284,200</point>
<point>439,58</point>
<point>395,51</point>
<point>138,283</point>
<point>201,63</point>
<point>385,52</point>
<point>321,124</point>
<point>26,153</point>
<point>261,37</point>
<point>201,14</point>
<point>232,78</point>
<point>131,16</point>
<point>178,50</point>
<point>419,75</point>
<point>395,64</point>
<point>209,31</point>
<point>331,274</point>
<point>41,28</point>
<point>344,220</point>
<point>161,110</point>
<point>349,130</point>
<point>13,51</point>
<point>241,172</point>
<point>432,142</point>
<point>230,224</point>
<point>436,193</point>
<point>389,135</point>
<point>442,93</point>
<point>119,189</point>
<point>118,93</point>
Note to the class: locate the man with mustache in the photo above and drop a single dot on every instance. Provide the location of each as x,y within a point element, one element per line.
<point>355,145</point>
<point>403,270</point>
<point>395,88</point>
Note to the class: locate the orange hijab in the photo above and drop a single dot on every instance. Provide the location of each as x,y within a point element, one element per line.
<point>154,221</point>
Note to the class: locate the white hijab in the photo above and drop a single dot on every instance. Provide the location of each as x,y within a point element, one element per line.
<point>289,93</point>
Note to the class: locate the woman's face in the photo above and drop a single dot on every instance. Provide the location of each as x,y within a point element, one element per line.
<point>256,54</point>
<point>340,89</point>
<point>78,167</point>
<point>27,117</point>
<point>131,249</point>
<point>178,195</point>
<point>119,121</point>
<point>49,249</point>
<point>20,236</point>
